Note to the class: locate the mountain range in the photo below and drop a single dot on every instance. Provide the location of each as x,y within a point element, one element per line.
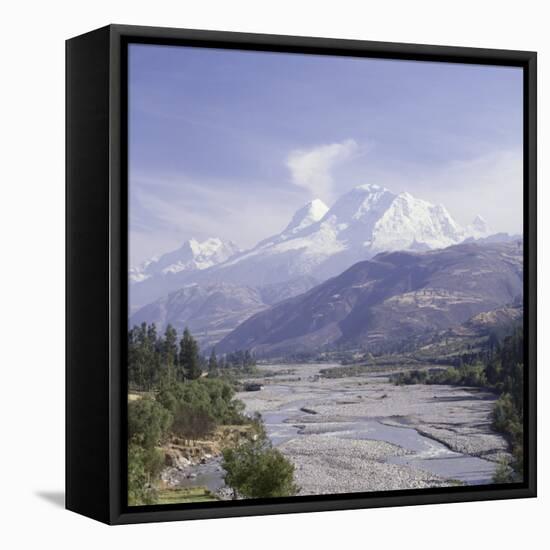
<point>191,256</point>
<point>376,266</point>
<point>389,298</point>
<point>209,311</point>
<point>318,243</point>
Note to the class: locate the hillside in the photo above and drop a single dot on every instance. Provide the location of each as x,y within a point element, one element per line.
<point>210,312</point>
<point>390,298</point>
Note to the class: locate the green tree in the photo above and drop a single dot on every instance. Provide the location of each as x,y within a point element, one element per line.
<point>143,357</point>
<point>257,470</point>
<point>169,353</point>
<point>148,422</point>
<point>139,491</point>
<point>170,345</point>
<point>144,467</point>
<point>189,359</point>
<point>213,362</point>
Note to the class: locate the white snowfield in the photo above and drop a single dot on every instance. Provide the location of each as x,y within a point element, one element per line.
<point>319,241</point>
<point>192,255</point>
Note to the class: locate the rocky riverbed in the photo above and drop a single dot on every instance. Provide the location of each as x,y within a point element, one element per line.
<point>194,464</point>
<point>363,433</point>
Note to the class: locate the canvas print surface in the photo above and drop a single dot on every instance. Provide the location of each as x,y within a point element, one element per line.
<point>326,281</point>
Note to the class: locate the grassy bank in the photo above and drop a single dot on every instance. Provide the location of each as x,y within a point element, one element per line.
<point>182,496</point>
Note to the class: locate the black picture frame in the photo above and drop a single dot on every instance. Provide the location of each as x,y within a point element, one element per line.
<point>96,271</point>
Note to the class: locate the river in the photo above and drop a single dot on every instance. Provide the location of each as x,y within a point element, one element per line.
<point>363,433</point>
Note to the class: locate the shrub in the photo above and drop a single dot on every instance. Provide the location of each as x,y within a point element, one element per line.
<point>192,423</point>
<point>505,417</point>
<point>257,470</point>
<point>504,473</point>
<point>214,397</point>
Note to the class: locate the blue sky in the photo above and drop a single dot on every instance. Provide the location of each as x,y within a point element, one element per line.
<point>231,143</point>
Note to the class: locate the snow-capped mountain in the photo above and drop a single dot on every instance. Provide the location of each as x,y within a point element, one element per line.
<point>307,215</point>
<point>478,229</point>
<point>191,256</point>
<point>414,223</point>
<point>318,243</point>
<point>322,242</point>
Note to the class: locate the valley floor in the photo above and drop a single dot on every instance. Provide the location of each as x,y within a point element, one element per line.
<point>363,433</point>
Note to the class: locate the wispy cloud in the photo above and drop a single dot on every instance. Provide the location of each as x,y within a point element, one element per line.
<point>312,168</point>
<point>169,209</point>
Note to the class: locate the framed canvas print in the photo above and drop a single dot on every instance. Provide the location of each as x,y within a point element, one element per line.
<point>301,274</point>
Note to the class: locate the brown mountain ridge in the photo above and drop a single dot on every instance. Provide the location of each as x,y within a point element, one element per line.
<point>392,297</point>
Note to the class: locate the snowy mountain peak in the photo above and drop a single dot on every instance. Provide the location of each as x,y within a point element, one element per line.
<point>318,209</point>
<point>192,255</point>
<point>318,243</point>
<point>370,187</point>
<point>361,203</point>
<point>478,229</point>
<point>211,247</point>
<point>480,224</point>
<point>310,213</point>
<point>406,196</point>
<point>414,223</point>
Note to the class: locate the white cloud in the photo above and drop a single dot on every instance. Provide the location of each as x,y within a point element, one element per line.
<point>312,168</point>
